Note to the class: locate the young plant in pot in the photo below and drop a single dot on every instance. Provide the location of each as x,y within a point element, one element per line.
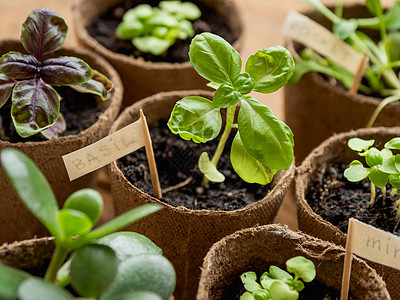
<point>147,41</point>
<point>201,207</point>
<point>49,93</point>
<point>369,29</point>
<point>334,185</point>
<point>101,265</point>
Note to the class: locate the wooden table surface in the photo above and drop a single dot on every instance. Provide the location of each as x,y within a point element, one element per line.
<point>263,20</point>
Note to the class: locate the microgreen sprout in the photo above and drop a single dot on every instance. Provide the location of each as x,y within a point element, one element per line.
<point>155,29</point>
<point>102,262</point>
<point>381,75</point>
<point>277,283</point>
<point>29,78</point>
<point>263,144</point>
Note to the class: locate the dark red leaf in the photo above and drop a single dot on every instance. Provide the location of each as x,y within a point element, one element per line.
<point>56,129</point>
<point>35,107</point>
<point>65,71</point>
<point>99,85</point>
<point>18,66</point>
<point>43,32</point>
<point>6,86</point>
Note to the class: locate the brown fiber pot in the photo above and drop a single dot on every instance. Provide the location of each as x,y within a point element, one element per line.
<point>257,248</point>
<point>143,78</point>
<point>335,149</point>
<point>315,109</point>
<point>186,235</point>
<point>16,223</point>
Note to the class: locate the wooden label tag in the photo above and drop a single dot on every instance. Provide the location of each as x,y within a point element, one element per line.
<point>106,150</point>
<point>311,34</point>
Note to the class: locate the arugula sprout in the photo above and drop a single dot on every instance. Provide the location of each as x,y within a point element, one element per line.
<point>29,78</point>
<point>277,283</point>
<point>155,29</point>
<point>263,144</point>
<point>381,75</point>
<point>101,263</point>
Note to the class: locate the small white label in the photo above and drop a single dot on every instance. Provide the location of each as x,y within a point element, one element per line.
<point>311,34</point>
<point>104,151</point>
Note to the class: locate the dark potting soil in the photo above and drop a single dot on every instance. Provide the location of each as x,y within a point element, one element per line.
<point>103,30</point>
<point>176,160</point>
<point>80,111</point>
<point>337,200</point>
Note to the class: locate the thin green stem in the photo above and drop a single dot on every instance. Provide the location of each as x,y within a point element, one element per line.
<point>384,196</point>
<point>393,192</point>
<point>373,192</point>
<point>59,255</point>
<point>379,108</point>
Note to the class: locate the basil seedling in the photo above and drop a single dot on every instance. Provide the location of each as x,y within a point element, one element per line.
<point>263,144</point>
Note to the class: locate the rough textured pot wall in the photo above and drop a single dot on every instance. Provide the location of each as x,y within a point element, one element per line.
<point>142,78</point>
<point>186,235</point>
<point>336,149</point>
<point>16,223</point>
<point>257,248</point>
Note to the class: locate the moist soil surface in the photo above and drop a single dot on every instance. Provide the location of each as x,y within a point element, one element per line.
<point>80,111</point>
<point>103,30</point>
<point>337,200</point>
<point>176,161</point>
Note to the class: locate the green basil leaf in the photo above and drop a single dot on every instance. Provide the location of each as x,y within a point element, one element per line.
<point>247,167</point>
<point>195,118</point>
<point>302,267</point>
<point>32,188</point>
<point>393,144</point>
<point>249,280</point>
<point>359,145</point>
<point>209,170</point>
<point>389,166</point>
<point>99,85</point>
<point>129,29</point>
<point>43,32</point>
<point>244,83</point>
<point>214,58</point>
<point>73,222</point>
<point>6,86</point>
<point>188,10</point>
<point>345,28</point>
<point>278,273</point>
<point>270,68</point>
<point>65,70</point>
<point>93,268</point>
<point>265,137</point>
<point>356,171</point>
<point>280,290</point>
<point>34,289</point>
<point>152,44</point>
<point>378,177</point>
<point>395,181</point>
<point>140,295</point>
<point>56,129</point>
<point>35,107</point>
<point>18,66</point>
<point>226,96</point>
<point>10,279</point>
<point>373,157</point>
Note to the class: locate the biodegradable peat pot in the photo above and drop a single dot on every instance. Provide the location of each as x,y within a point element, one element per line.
<point>16,223</point>
<point>335,149</point>
<point>315,109</point>
<point>185,235</point>
<point>143,78</point>
<point>255,249</point>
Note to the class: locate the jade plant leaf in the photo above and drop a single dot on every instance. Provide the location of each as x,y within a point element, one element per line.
<point>214,58</point>
<point>10,279</point>
<point>195,118</point>
<point>6,86</point>
<point>73,222</point>
<point>225,96</point>
<point>209,170</point>
<point>270,68</point>
<point>33,289</point>
<point>18,66</point>
<point>86,277</point>
<point>356,171</point>
<point>302,267</point>
<point>265,137</point>
<point>35,107</point>
<point>43,32</point>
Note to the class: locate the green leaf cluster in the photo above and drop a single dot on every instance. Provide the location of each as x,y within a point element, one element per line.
<point>278,284</point>
<point>155,29</point>
<point>381,76</point>
<point>263,144</point>
<point>29,79</point>
<point>103,264</point>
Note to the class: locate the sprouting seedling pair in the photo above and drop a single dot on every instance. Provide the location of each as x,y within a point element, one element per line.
<point>277,283</point>
<point>29,78</point>
<point>383,167</point>
<point>103,263</point>
<point>155,29</point>
<point>263,144</point>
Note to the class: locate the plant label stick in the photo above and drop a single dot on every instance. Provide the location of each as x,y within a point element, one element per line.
<point>347,262</point>
<point>110,148</point>
<point>305,31</point>
<point>359,74</point>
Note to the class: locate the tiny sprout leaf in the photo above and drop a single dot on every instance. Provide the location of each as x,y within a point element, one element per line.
<point>88,201</point>
<point>373,157</point>
<point>386,153</point>
<point>195,118</point>
<point>359,145</point>
<point>378,177</point>
<point>261,295</point>
<point>345,28</point>
<point>43,32</point>
<point>278,273</point>
<point>209,169</point>
<point>393,144</point>
<point>187,9</point>
<point>6,86</point>
<point>10,279</point>
<point>397,162</point>
<point>140,295</point>
<point>270,68</point>
<point>389,166</point>
<point>56,129</point>
<point>298,286</point>
<point>302,267</point>
<point>225,96</point>
<point>356,171</point>
<point>19,66</point>
<point>86,277</point>
<point>249,280</point>
<point>244,83</point>
<point>214,58</point>
<point>73,222</point>
<point>33,289</point>
<point>99,85</point>
<point>151,44</point>
<point>281,291</point>
<point>247,296</point>
<point>394,180</point>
